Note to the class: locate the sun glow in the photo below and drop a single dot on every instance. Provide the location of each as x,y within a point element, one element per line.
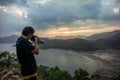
<point>42,1</point>
<point>3,8</point>
<point>15,11</point>
<point>116,10</point>
<point>21,12</point>
<point>73,32</point>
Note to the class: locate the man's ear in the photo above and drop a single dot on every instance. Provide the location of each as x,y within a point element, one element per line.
<point>30,34</point>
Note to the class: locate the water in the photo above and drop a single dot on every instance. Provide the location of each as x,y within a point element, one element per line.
<point>66,60</point>
<point>7,47</point>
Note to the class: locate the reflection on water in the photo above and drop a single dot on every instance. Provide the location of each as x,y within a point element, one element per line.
<point>66,60</point>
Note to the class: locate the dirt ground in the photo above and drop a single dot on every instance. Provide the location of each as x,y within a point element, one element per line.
<point>113,68</point>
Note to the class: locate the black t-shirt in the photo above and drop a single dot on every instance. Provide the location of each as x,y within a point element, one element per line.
<point>25,57</point>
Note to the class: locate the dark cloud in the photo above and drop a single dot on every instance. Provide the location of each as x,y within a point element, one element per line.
<point>64,11</point>
<point>117,2</point>
<point>12,2</point>
<point>91,10</point>
<point>107,11</point>
<point>11,23</point>
<point>67,11</point>
<point>56,13</point>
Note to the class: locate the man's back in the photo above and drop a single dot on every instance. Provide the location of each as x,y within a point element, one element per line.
<point>25,57</point>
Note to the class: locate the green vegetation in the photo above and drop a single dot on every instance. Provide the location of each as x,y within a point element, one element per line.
<point>55,73</point>
<point>9,61</point>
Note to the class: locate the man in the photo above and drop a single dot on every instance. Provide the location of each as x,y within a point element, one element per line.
<point>25,54</point>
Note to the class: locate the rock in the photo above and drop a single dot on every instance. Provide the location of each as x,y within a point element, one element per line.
<point>8,75</point>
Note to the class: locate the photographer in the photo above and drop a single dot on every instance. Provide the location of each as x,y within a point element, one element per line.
<point>25,53</point>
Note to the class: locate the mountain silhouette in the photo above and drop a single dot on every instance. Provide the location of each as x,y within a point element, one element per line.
<point>104,35</point>
<point>107,40</point>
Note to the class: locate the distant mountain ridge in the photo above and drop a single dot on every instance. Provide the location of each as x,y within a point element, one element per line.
<point>104,35</point>
<point>112,42</point>
<point>107,40</point>
<point>9,39</point>
<point>75,44</point>
<point>68,37</point>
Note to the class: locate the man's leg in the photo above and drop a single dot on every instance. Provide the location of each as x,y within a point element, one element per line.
<point>30,77</point>
<point>33,78</point>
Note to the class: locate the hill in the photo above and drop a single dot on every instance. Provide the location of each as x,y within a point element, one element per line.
<point>69,37</point>
<point>76,44</point>
<point>104,35</point>
<point>112,42</point>
<point>107,40</point>
<point>9,39</point>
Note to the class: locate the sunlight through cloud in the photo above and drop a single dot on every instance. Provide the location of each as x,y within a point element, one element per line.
<point>19,11</point>
<point>73,32</point>
<point>38,1</point>
<point>116,10</point>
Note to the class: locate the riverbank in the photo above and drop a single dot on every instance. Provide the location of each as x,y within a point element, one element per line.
<point>110,60</point>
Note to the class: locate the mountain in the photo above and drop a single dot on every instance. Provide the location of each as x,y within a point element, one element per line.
<point>107,40</point>
<point>104,35</point>
<point>68,37</point>
<point>75,44</point>
<point>9,39</point>
<point>112,42</point>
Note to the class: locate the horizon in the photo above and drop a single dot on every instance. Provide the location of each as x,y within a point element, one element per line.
<point>51,18</point>
<point>80,36</point>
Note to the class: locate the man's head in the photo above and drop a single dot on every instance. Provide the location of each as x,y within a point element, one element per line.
<point>28,32</point>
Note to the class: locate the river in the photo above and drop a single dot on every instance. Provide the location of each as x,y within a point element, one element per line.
<point>66,60</point>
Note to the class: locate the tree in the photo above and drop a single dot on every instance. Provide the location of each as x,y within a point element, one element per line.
<point>95,76</point>
<point>81,74</point>
<point>7,60</point>
<point>54,73</point>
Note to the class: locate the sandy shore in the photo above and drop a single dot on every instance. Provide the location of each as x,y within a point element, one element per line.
<point>111,62</point>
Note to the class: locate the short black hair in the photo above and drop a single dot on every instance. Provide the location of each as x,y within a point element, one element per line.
<point>27,30</point>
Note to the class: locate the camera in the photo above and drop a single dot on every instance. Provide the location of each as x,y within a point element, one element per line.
<point>39,40</point>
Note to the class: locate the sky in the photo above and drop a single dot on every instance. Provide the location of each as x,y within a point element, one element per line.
<point>52,18</point>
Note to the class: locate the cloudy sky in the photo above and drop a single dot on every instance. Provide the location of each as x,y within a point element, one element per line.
<point>52,18</point>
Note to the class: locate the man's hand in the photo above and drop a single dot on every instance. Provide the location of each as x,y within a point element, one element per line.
<point>36,50</point>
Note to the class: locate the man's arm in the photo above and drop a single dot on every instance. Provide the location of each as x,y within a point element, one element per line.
<point>36,50</point>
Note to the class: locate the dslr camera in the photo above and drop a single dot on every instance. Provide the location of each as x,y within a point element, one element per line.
<point>39,40</point>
